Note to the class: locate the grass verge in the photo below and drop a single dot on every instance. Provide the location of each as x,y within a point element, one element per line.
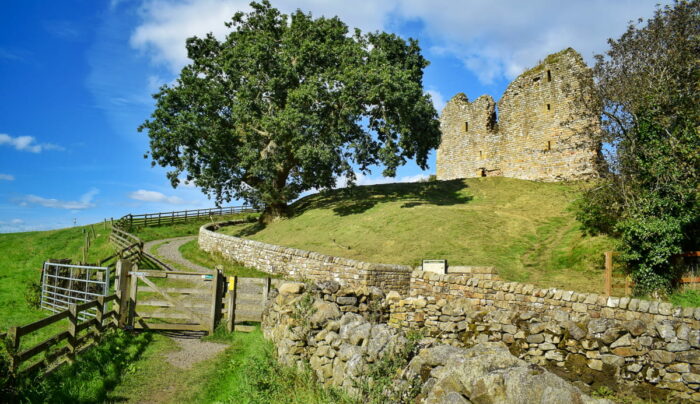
<point>89,379</point>
<point>191,252</point>
<point>248,372</point>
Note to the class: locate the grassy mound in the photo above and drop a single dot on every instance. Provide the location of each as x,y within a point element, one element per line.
<point>525,229</point>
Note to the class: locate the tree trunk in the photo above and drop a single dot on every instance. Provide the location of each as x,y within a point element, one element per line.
<point>274,211</point>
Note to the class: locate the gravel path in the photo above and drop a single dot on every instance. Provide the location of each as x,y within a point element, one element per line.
<point>193,351</point>
<point>169,251</point>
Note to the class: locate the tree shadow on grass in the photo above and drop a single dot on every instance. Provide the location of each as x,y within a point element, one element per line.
<point>356,200</point>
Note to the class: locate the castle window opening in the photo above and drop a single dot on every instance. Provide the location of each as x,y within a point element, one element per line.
<point>549,75</point>
<point>549,145</point>
<point>549,107</point>
<point>466,126</point>
<point>481,155</point>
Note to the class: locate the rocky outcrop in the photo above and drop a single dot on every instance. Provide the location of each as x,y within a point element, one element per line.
<point>487,373</point>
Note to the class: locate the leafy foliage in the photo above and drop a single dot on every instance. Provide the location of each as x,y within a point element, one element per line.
<point>287,103</point>
<point>648,84</point>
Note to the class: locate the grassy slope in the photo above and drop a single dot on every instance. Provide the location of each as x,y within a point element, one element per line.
<point>21,258</point>
<point>525,229</point>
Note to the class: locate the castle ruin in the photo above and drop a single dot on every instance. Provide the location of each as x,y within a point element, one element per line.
<point>547,128</point>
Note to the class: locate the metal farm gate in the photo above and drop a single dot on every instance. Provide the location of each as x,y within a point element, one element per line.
<point>66,284</point>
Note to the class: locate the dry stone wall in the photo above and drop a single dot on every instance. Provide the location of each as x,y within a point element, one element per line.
<point>300,264</point>
<point>340,333</point>
<point>620,343</point>
<point>545,127</point>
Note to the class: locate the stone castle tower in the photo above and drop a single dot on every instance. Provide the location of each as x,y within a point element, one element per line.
<point>546,128</point>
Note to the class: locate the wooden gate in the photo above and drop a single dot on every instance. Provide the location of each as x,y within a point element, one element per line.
<point>173,300</point>
<point>193,301</point>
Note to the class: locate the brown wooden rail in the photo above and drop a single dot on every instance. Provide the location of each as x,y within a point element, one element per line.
<point>161,218</point>
<point>103,321</point>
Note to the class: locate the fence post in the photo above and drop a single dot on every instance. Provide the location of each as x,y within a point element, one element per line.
<point>72,331</point>
<point>123,267</point>
<point>216,302</point>
<point>266,290</point>
<point>608,272</point>
<point>231,304</point>
<point>99,316</point>
<point>13,337</point>
<point>133,290</point>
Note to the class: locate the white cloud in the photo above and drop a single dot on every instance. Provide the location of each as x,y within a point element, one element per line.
<point>85,201</point>
<point>26,143</point>
<point>154,196</point>
<point>167,24</point>
<point>16,221</point>
<point>7,177</point>
<point>438,99</point>
<point>493,39</point>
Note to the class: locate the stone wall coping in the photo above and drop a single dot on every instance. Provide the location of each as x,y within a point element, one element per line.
<point>622,303</point>
<point>209,230</point>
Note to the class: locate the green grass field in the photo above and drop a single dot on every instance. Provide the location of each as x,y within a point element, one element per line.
<point>525,229</point>
<point>21,259</point>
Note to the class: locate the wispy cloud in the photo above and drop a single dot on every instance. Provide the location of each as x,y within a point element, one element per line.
<point>493,39</point>
<point>155,196</point>
<point>5,54</point>
<point>7,177</point>
<point>27,143</point>
<point>85,201</point>
<point>61,29</point>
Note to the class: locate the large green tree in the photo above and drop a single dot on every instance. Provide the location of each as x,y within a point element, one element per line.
<point>286,104</point>
<point>649,83</point>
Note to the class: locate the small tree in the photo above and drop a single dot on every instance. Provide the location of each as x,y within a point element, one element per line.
<point>648,83</point>
<point>286,104</point>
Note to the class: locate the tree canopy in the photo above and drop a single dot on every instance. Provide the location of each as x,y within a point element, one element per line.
<point>286,104</point>
<point>648,84</point>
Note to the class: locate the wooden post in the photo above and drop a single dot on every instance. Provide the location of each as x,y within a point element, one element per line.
<point>99,316</point>
<point>628,286</point>
<point>123,267</point>
<point>13,337</point>
<point>231,303</point>
<point>216,302</point>
<point>72,331</point>
<point>608,272</point>
<point>266,290</point>
<point>133,290</point>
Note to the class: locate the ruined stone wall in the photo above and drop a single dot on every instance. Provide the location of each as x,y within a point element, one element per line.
<point>650,347</point>
<point>301,264</point>
<point>543,128</point>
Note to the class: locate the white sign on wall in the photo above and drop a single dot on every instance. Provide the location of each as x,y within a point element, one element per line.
<point>437,266</point>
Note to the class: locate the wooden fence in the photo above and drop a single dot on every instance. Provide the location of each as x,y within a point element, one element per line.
<point>160,218</point>
<point>94,328</point>
<point>690,277</point>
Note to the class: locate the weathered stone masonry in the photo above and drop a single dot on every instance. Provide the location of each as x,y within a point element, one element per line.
<point>585,337</point>
<point>300,264</point>
<point>546,128</point>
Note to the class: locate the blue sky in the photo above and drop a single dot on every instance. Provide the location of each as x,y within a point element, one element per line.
<point>76,78</point>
